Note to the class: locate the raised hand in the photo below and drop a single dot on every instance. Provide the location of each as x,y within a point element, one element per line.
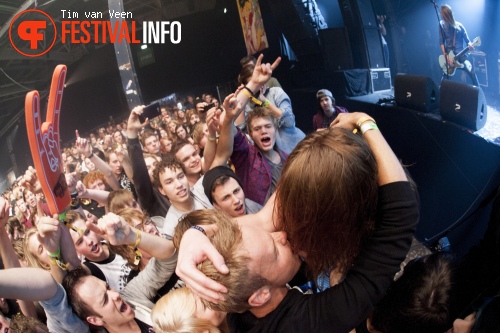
<point>194,249</point>
<point>44,142</point>
<point>31,182</point>
<point>134,123</point>
<point>232,106</point>
<point>83,145</point>
<point>263,71</point>
<point>49,233</point>
<point>4,212</point>
<point>114,229</point>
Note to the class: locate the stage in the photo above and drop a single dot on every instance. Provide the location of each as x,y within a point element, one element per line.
<point>456,170</point>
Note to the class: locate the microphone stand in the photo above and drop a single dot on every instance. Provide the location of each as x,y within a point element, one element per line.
<point>442,37</point>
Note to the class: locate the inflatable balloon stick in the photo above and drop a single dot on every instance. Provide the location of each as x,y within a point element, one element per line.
<point>44,142</point>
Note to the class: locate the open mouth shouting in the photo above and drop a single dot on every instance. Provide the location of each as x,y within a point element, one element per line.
<point>240,210</point>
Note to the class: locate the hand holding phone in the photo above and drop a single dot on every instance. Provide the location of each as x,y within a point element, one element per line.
<point>150,111</point>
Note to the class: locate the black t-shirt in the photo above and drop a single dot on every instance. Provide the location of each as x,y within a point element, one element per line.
<point>342,307</point>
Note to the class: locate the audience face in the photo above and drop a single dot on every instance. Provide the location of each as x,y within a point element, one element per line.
<point>88,243</point>
<point>190,159</point>
<point>21,205</point>
<point>165,145</point>
<point>174,185</point>
<point>166,118</point>
<point>114,164</point>
<point>271,255</point>
<point>30,199</point>
<point>263,133</point>
<point>216,102</point>
<point>89,164</point>
<point>117,136</point>
<point>37,250</point>
<point>112,309</point>
<point>163,133</point>
<point>194,119</point>
<point>171,126</point>
<point>98,185</point>
<point>230,198</point>
<point>326,104</point>
<point>208,98</point>
<point>181,115</point>
<point>181,132</point>
<point>199,107</point>
<point>152,145</point>
<point>151,164</point>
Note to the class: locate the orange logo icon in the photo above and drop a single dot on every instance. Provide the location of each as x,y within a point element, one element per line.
<point>32,33</point>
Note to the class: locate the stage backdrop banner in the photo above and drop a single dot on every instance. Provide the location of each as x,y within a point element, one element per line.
<point>252,25</point>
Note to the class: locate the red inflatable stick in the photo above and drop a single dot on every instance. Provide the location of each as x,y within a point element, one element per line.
<point>44,143</point>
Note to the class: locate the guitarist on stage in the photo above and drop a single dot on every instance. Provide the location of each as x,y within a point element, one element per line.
<point>453,37</point>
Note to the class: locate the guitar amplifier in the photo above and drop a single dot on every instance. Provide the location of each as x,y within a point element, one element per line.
<point>380,79</point>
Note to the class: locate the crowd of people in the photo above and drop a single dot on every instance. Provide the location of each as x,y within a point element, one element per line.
<point>220,217</point>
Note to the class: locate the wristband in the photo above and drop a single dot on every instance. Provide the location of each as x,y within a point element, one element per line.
<point>252,98</point>
<point>367,126</point>
<point>55,255</point>
<point>197,227</point>
<point>211,138</point>
<point>248,89</point>
<point>363,119</point>
<point>75,201</point>
<point>266,103</point>
<point>138,254</point>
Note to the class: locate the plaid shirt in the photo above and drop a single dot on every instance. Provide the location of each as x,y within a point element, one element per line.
<point>252,168</point>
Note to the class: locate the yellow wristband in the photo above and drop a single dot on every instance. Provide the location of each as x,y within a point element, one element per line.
<point>363,119</point>
<point>253,99</point>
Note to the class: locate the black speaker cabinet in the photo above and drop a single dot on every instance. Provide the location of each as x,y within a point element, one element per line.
<point>416,92</point>
<point>336,49</point>
<point>463,104</point>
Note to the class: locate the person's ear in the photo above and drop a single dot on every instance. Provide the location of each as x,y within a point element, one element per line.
<point>260,297</point>
<point>160,189</point>
<point>95,320</point>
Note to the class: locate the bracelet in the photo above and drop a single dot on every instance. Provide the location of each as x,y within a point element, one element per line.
<point>58,262</point>
<point>197,227</point>
<point>91,155</point>
<point>138,254</point>
<point>75,201</point>
<point>55,255</point>
<point>248,89</point>
<point>266,103</point>
<point>211,138</point>
<point>363,119</point>
<point>367,126</point>
<point>252,98</point>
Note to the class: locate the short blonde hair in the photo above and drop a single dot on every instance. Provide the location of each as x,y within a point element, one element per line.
<point>176,312</point>
<point>228,241</point>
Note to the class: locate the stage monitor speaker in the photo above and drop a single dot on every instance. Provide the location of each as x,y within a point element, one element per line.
<point>463,104</point>
<point>336,49</point>
<point>416,92</point>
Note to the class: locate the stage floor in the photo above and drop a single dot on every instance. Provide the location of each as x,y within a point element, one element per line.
<point>490,132</point>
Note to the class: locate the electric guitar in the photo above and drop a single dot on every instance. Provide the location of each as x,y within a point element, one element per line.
<point>450,70</point>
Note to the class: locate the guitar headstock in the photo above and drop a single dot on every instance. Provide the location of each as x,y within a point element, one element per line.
<point>476,41</point>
